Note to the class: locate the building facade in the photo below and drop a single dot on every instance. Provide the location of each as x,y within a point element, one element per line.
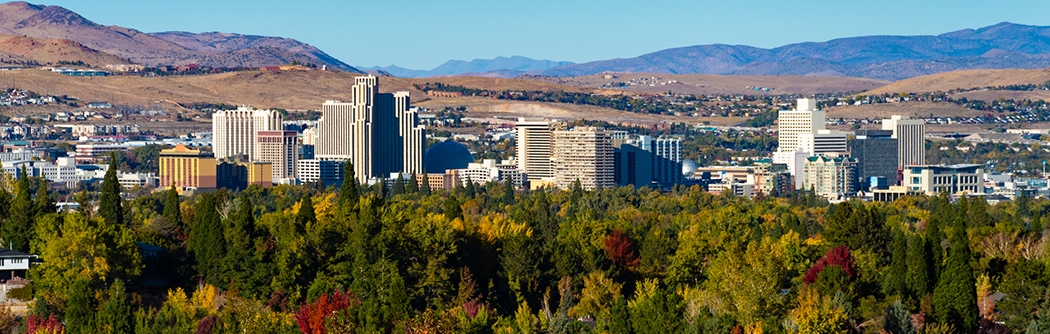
<point>534,137</point>
<point>187,169</point>
<point>791,123</point>
<point>953,179</point>
<point>328,172</point>
<point>823,142</point>
<point>667,162</point>
<point>281,150</point>
<point>234,132</point>
<point>831,177</point>
<point>911,139</point>
<point>584,154</point>
<point>876,153</point>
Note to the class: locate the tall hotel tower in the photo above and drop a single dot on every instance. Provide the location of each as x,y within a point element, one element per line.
<point>378,132</point>
<point>911,139</point>
<point>234,132</point>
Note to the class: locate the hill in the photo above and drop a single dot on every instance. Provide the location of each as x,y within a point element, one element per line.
<point>53,51</point>
<point>714,84</point>
<point>175,48</point>
<point>964,79</point>
<point>501,67</point>
<point>1004,45</point>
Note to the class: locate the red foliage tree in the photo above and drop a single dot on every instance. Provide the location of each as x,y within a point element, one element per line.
<point>50,325</point>
<point>311,317</point>
<point>838,256</point>
<point>620,249</point>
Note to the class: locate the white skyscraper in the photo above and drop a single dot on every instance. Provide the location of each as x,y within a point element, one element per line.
<point>534,147</point>
<point>378,132</point>
<point>911,139</point>
<point>234,132</point>
<point>791,123</point>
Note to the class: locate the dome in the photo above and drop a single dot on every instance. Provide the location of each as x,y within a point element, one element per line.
<point>688,167</point>
<point>447,155</point>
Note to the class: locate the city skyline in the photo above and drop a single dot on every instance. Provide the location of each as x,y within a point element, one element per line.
<point>612,30</point>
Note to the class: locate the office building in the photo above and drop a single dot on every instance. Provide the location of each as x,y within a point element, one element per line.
<point>831,177</point>
<point>823,142</point>
<point>633,165</point>
<point>234,132</point>
<point>876,154</point>
<point>534,138</point>
<point>328,172</point>
<point>238,174</point>
<point>796,163</point>
<point>489,170</point>
<point>667,162</point>
<point>791,123</point>
<point>584,154</point>
<point>281,149</point>
<point>953,179</point>
<point>911,139</point>
<point>187,169</point>
<point>378,132</point>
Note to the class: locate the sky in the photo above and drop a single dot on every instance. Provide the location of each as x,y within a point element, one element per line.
<point>424,34</point>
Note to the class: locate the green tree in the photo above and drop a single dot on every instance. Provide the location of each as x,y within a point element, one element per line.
<point>240,264</point>
<point>399,186</point>
<point>470,190</point>
<point>898,320</point>
<point>116,316</point>
<point>425,186</point>
<point>1025,285</point>
<point>452,208</point>
<point>955,298</point>
<point>44,203</point>
<point>172,212</point>
<point>348,192</point>
<point>19,225</point>
<point>80,308</point>
<point>895,279</point>
<point>919,263</point>
<point>413,184</point>
<point>508,192</point>
<point>109,202</point>
<point>207,239</point>
<point>660,312</point>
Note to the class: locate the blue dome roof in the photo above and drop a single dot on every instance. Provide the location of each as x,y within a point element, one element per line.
<point>688,167</point>
<point>447,155</point>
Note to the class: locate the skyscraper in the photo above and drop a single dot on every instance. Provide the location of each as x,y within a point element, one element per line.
<point>534,138</point>
<point>911,139</point>
<point>790,123</point>
<point>667,161</point>
<point>584,154</point>
<point>281,150</point>
<point>234,132</point>
<point>378,132</point>
<point>876,153</point>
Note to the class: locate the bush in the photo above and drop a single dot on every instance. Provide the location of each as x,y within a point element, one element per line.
<point>23,293</point>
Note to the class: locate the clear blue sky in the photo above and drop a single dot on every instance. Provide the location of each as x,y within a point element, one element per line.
<point>424,34</point>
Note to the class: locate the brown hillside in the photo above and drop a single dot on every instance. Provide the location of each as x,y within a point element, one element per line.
<point>498,84</point>
<point>913,109</point>
<point>964,79</point>
<point>52,51</point>
<point>724,84</point>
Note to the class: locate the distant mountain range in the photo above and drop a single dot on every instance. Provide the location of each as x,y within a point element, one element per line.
<point>214,49</point>
<point>499,67</point>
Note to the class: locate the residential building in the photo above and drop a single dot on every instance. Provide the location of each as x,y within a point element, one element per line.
<point>876,154</point>
<point>584,154</point>
<point>534,138</point>
<point>831,177</point>
<point>667,162</point>
<point>791,123</point>
<point>328,172</point>
<point>911,139</point>
<point>234,132</point>
<point>281,149</point>
<point>187,169</point>
<point>823,142</point>
<point>491,171</point>
<point>14,263</point>
<point>953,179</point>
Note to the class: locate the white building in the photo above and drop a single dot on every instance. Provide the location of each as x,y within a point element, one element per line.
<point>491,171</point>
<point>831,177</point>
<point>911,139</point>
<point>823,142</point>
<point>315,170</point>
<point>234,132</point>
<point>953,179</point>
<point>534,138</point>
<point>796,165</point>
<point>585,154</point>
<point>791,123</point>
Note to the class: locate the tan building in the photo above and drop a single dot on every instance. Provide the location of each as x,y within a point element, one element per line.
<point>240,174</point>
<point>438,181</point>
<point>534,138</point>
<point>792,123</point>
<point>234,132</point>
<point>831,177</point>
<point>187,169</point>
<point>911,139</point>
<point>953,179</point>
<point>585,154</point>
<point>281,149</point>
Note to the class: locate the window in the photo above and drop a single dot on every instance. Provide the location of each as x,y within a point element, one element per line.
<point>914,180</point>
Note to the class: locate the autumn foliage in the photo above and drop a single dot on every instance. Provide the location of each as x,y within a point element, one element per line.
<point>620,249</point>
<point>40,325</point>
<point>312,317</point>
<point>838,256</point>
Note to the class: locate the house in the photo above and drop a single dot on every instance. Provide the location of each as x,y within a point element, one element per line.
<point>99,105</point>
<point>14,263</point>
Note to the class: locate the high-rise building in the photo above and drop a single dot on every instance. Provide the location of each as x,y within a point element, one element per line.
<point>667,162</point>
<point>831,177</point>
<point>643,161</point>
<point>790,123</point>
<point>584,154</point>
<point>876,153</point>
<point>823,142</point>
<point>234,132</point>
<point>911,139</point>
<point>281,149</point>
<point>236,174</point>
<point>534,138</point>
<point>633,165</point>
<point>186,169</point>
<point>378,132</point>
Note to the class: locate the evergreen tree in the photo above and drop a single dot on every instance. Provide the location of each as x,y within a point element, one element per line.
<point>919,263</point>
<point>895,279</point>
<point>239,262</point>
<point>172,211</point>
<point>452,208</point>
<point>348,192</point>
<point>425,186</point>
<point>413,184</point>
<point>44,203</point>
<point>934,241</point>
<point>115,315</point>
<point>469,189</point>
<point>80,308</point>
<point>5,198</point>
<point>207,239</point>
<point>897,320</point>
<point>955,298</point>
<point>399,186</point>
<point>19,225</point>
<point>508,192</point>
<point>109,202</point>
<point>621,318</point>
<point>306,215</point>
<point>1025,285</point>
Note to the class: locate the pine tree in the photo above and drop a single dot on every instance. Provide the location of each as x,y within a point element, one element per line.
<point>452,208</point>
<point>1025,285</point>
<point>469,189</point>
<point>955,298</point>
<point>80,308</point>
<point>240,261</point>
<point>306,215</point>
<point>348,192</point>
<point>172,211</point>
<point>5,198</point>
<point>897,320</point>
<point>44,203</point>
<point>19,224</point>
<point>413,184</point>
<point>115,315</point>
<point>109,202</point>
<point>207,239</point>
<point>425,186</point>
<point>508,192</point>
<point>399,186</point>
<point>934,239</point>
<point>919,263</point>
<point>621,318</point>
<point>895,279</point>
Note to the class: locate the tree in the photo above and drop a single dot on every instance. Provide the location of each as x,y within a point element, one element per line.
<point>898,272</point>
<point>306,215</point>
<point>172,211</point>
<point>898,320</point>
<point>348,192</point>
<point>425,186</point>
<point>955,298</point>
<point>508,191</point>
<point>919,267</point>
<point>207,239</point>
<point>17,229</point>
<point>413,184</point>
<point>115,315</point>
<point>240,265</point>
<point>109,202</point>
<point>1025,285</point>
<point>452,208</point>
<point>80,308</point>
<point>399,186</point>
<point>44,203</point>
<point>469,189</point>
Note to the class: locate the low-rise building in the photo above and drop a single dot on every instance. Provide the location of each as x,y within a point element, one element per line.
<point>187,169</point>
<point>328,172</point>
<point>953,179</point>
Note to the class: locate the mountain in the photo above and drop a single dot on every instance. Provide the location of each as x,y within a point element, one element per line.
<point>1004,45</point>
<point>167,48</point>
<point>496,67</point>
<point>23,50</point>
